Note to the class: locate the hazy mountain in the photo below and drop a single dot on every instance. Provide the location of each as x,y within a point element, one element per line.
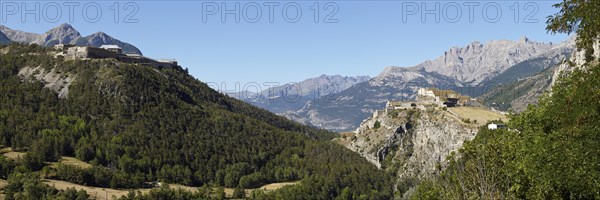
<point>19,36</point>
<point>66,34</point>
<point>469,70</point>
<point>293,96</point>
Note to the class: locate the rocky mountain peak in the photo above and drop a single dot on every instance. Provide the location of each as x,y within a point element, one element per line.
<point>99,37</point>
<point>64,26</point>
<point>62,34</point>
<point>99,34</point>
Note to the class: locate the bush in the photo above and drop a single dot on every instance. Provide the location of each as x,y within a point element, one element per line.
<point>377,124</point>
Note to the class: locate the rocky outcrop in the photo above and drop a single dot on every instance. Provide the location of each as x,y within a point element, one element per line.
<point>412,143</point>
<point>52,79</point>
<point>577,60</point>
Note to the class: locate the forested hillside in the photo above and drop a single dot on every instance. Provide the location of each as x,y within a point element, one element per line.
<point>138,124</point>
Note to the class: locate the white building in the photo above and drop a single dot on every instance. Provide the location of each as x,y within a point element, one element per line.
<point>492,126</point>
<point>113,48</point>
<point>168,60</point>
<point>425,92</point>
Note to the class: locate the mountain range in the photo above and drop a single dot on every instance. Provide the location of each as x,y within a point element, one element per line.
<point>293,96</point>
<point>65,34</point>
<point>472,70</point>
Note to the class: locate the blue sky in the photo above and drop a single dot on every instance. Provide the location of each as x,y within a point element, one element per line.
<point>367,36</point>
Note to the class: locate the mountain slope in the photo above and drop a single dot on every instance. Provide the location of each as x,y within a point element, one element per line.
<point>525,82</point>
<point>139,124</point>
<point>519,94</point>
<point>476,62</point>
<point>19,36</point>
<point>100,38</point>
<point>62,34</point>
<point>4,39</point>
<point>534,65</point>
<point>293,96</point>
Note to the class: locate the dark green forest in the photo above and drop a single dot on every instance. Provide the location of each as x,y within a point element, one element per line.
<point>138,124</point>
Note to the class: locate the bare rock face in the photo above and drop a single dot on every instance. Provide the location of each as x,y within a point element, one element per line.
<point>52,79</point>
<point>62,34</point>
<point>476,62</point>
<point>577,60</point>
<point>412,143</point>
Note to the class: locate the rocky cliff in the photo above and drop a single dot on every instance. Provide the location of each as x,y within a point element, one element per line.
<point>412,143</point>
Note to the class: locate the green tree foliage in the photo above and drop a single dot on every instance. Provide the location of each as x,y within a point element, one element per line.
<point>377,124</point>
<point>581,17</point>
<point>28,186</point>
<point>139,124</point>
